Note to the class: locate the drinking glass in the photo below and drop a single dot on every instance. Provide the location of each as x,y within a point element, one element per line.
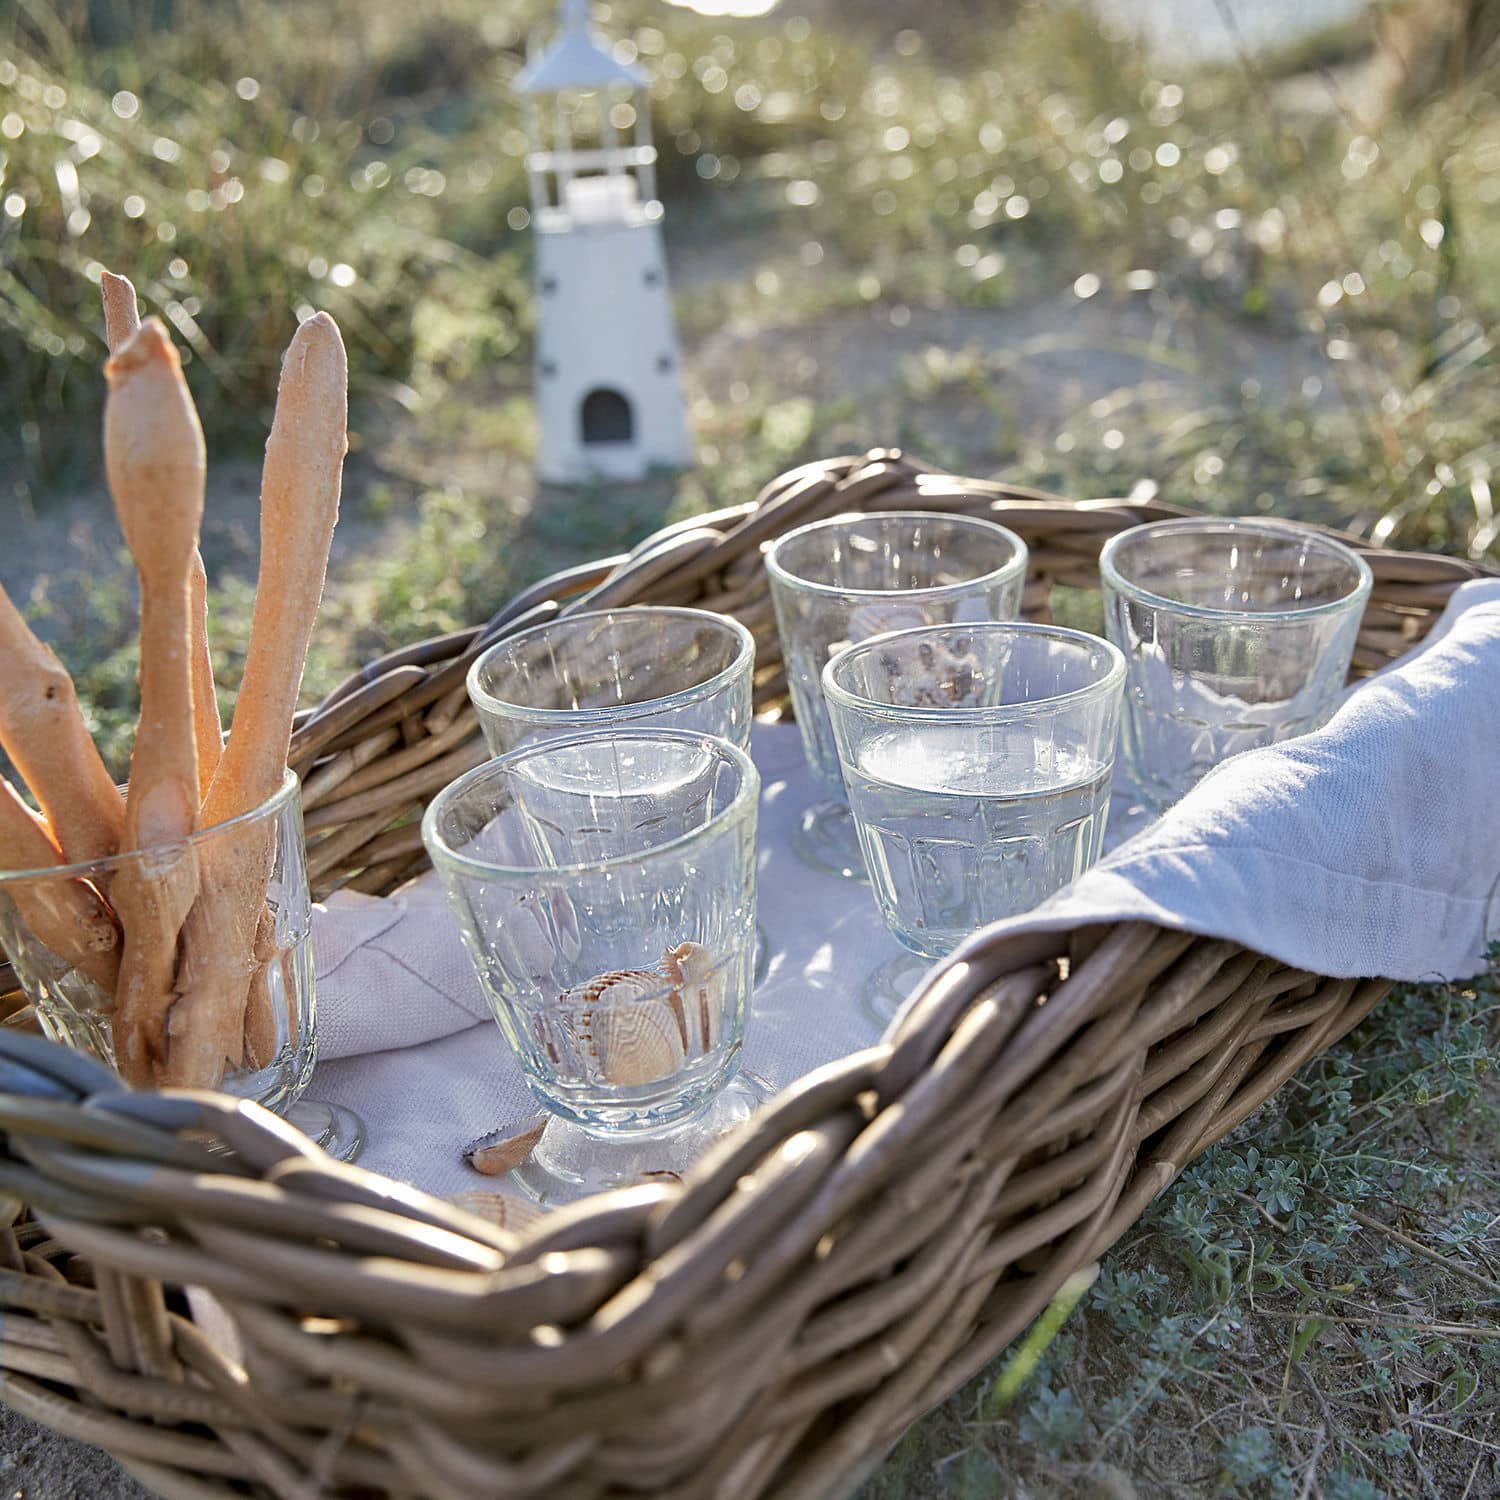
<point>1237,634</point>
<point>70,985</point>
<point>605,888</point>
<point>845,580</point>
<point>646,666</point>
<point>978,761</point>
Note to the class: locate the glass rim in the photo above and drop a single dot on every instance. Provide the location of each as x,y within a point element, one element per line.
<point>1014,567</point>
<point>486,702</point>
<point>1110,574</point>
<point>94,868</point>
<point>445,857</point>
<point>836,693</point>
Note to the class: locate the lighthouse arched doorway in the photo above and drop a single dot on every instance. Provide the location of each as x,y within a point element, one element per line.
<point>606,417</point>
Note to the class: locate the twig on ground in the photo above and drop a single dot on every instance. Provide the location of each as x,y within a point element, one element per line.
<point>1418,1248</point>
<point>1310,1473</point>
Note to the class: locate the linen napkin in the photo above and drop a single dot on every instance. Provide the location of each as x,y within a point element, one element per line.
<point>1370,847</point>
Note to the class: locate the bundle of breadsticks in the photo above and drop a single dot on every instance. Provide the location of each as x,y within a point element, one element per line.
<point>180,944</point>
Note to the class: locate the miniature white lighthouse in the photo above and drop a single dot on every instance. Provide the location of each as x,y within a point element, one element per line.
<point>608,391</point>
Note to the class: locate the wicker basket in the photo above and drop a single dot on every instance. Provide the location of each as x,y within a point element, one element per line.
<point>864,1245</point>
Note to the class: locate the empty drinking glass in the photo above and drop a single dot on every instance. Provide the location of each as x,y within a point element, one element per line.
<point>605,888</point>
<point>848,579</point>
<point>978,761</point>
<point>1237,634</point>
<point>645,666</point>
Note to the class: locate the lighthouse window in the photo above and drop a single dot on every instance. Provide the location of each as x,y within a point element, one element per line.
<point>663,364</point>
<point>549,285</point>
<point>653,277</point>
<point>606,417</point>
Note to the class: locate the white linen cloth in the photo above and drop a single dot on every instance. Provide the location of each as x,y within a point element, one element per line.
<point>1370,847</point>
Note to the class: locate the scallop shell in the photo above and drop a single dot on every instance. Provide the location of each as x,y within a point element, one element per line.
<point>504,1149</point>
<point>697,999</point>
<point>514,1214</point>
<point>637,1041</point>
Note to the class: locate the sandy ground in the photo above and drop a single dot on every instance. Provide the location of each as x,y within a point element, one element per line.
<point>37,1465</point>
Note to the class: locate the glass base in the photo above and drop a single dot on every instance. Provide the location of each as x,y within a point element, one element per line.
<point>570,1162</point>
<point>891,985</point>
<point>826,839</point>
<point>339,1131</point>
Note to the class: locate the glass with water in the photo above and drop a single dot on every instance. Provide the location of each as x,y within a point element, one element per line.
<point>977,760</point>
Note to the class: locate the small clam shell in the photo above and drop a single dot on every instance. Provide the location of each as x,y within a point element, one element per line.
<point>514,1214</point>
<point>636,1042</point>
<point>698,997</point>
<point>506,1148</point>
<point>621,987</point>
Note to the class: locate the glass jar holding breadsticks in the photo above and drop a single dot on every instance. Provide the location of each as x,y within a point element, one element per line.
<point>166,929</point>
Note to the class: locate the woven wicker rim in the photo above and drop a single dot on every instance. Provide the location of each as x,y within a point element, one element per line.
<point>613,713</point>
<point>746,796</point>
<point>991,712</point>
<point>98,868</point>
<point>1316,541</point>
<point>1014,568</point>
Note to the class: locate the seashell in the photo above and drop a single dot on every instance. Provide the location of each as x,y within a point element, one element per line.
<point>620,986</point>
<point>877,619</point>
<point>514,1214</point>
<point>697,998</point>
<point>636,1041</point>
<point>506,1148</point>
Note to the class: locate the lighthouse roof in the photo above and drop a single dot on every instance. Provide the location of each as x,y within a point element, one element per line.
<point>578,57</point>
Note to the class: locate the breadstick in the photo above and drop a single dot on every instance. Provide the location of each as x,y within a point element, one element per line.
<point>42,729</point>
<point>299,506</point>
<point>260,1014</point>
<point>208,729</point>
<point>153,447</point>
<point>68,916</point>
<point>121,317</point>
<point>120,322</point>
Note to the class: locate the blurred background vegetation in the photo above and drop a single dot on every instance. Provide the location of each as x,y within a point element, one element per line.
<point>1208,250</point>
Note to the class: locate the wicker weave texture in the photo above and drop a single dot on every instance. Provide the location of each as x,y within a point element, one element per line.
<point>861,1247</point>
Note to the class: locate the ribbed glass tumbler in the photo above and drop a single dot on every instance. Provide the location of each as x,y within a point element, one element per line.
<point>605,888</point>
<point>848,579</point>
<point>649,666</point>
<point>978,762</point>
<point>646,667</point>
<point>1236,633</point>
<point>63,940</point>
